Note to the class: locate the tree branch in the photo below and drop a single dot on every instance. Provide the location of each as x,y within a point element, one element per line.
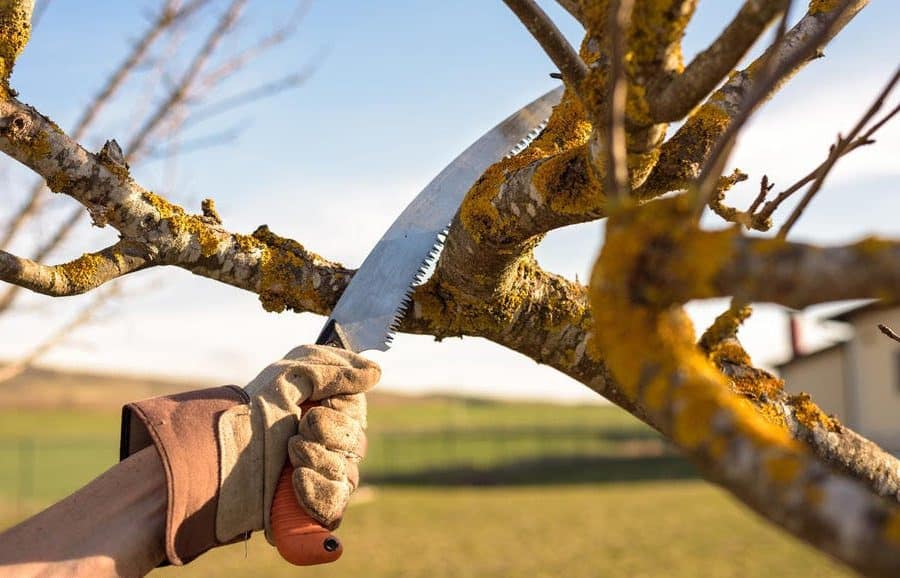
<point>683,155</point>
<point>167,18</point>
<point>75,277</point>
<point>648,343</point>
<point>613,130</point>
<point>798,275</point>
<point>553,42</point>
<point>673,100</point>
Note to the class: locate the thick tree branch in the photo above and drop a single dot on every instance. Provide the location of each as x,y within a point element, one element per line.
<point>649,346</point>
<point>675,99</point>
<point>799,275</point>
<point>683,155</point>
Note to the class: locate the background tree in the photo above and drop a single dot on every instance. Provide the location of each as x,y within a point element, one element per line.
<point>188,51</point>
<point>603,155</point>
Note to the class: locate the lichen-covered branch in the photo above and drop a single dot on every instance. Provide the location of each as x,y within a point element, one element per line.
<point>75,277</point>
<point>683,155</point>
<point>649,346</point>
<point>283,273</point>
<point>674,100</point>
<point>15,30</point>
<point>799,275</point>
<point>168,16</point>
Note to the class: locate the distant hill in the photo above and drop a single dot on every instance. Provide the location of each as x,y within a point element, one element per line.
<point>42,387</point>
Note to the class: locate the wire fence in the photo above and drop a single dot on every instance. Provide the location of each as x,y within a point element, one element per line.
<point>36,470</point>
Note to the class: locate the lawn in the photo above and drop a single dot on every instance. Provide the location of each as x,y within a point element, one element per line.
<point>573,491</point>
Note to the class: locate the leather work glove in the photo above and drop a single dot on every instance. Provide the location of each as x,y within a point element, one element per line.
<point>223,448</point>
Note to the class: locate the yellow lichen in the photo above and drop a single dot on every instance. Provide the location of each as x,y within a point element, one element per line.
<point>809,414</point>
<point>180,222</point>
<point>15,30</point>
<point>287,278</point>
<point>648,343</point>
<point>58,181</point>
<point>81,274</point>
<point>820,6</point>
<point>567,129</point>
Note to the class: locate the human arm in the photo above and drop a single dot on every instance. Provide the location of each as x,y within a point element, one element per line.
<point>114,526</point>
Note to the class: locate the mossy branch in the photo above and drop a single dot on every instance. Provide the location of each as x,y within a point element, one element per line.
<point>674,99</point>
<point>649,346</point>
<point>81,275</point>
<point>682,156</point>
<point>15,31</point>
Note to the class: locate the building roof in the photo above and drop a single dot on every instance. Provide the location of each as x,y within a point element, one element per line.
<point>848,314</point>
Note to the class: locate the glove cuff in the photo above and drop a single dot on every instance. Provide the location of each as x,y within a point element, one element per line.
<point>183,429</point>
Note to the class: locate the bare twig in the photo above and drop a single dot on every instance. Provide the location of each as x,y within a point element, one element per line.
<point>775,70</point>
<point>168,17</point>
<point>238,61</point>
<point>553,42</point>
<point>616,173</point>
<point>842,147</point>
<point>254,94</point>
<point>182,88</point>
<point>83,317</point>
<point>889,332</point>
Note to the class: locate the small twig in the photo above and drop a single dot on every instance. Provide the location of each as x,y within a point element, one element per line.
<point>765,187</point>
<point>551,40</point>
<point>263,91</point>
<point>889,332</point>
<point>166,19</point>
<point>276,37</point>
<point>208,206</point>
<point>84,317</point>
<point>616,174</point>
<point>770,76</point>
<point>181,91</point>
<point>841,147</point>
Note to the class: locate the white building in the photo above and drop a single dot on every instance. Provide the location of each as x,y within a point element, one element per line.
<point>859,379</point>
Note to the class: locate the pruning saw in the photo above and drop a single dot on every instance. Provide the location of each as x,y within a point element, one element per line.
<point>371,307</point>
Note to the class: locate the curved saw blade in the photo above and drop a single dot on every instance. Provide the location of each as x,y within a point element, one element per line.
<point>366,315</point>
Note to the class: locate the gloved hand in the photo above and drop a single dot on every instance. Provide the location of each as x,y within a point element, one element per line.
<point>223,448</point>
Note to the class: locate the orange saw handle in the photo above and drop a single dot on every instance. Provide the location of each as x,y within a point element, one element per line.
<point>300,539</point>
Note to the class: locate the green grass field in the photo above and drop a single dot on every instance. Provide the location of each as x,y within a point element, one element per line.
<point>577,491</point>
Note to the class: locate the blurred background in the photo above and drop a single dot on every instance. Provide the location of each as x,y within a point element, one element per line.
<point>322,120</point>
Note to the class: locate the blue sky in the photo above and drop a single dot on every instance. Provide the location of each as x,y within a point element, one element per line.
<point>399,88</point>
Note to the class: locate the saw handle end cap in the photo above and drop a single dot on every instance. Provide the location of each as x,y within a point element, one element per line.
<point>298,537</point>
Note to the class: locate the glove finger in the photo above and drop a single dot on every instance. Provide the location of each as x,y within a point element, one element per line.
<point>334,430</point>
<point>353,405</point>
<point>325,500</point>
<point>334,371</point>
<point>332,465</point>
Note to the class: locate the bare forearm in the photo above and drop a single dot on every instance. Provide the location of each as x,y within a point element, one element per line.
<point>114,526</point>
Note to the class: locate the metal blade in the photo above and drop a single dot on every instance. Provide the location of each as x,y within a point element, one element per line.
<point>366,315</point>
